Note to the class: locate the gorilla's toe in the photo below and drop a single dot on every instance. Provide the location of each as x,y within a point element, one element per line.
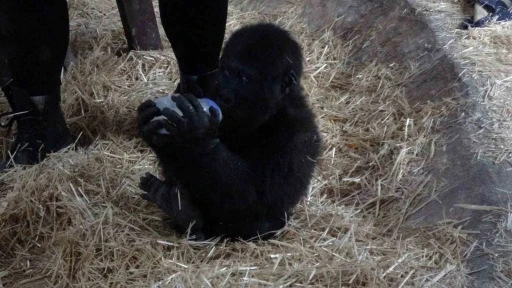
<point>149,182</point>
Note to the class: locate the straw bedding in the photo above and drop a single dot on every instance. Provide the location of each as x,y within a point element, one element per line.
<point>485,54</point>
<point>77,220</point>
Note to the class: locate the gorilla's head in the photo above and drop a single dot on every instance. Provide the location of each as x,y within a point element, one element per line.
<point>260,66</point>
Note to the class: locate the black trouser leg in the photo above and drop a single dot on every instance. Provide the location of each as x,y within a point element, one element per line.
<point>34,35</point>
<point>196,30</point>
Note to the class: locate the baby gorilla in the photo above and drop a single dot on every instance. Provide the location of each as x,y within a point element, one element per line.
<point>242,176</point>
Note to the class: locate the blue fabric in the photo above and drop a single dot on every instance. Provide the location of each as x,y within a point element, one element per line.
<point>497,9</point>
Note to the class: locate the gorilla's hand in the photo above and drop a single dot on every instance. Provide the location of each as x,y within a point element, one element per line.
<point>149,130</point>
<point>195,129</point>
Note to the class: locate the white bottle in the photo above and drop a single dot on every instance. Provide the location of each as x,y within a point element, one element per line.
<point>166,102</point>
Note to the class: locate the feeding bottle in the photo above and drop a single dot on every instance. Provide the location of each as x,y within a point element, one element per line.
<point>166,102</point>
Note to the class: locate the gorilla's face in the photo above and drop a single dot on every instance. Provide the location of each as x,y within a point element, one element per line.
<point>247,97</point>
<point>259,67</point>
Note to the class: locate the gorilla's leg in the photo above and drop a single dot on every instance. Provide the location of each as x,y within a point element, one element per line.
<point>34,37</point>
<point>196,30</point>
<point>175,203</point>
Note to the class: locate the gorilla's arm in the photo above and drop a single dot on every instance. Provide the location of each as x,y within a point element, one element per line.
<point>274,180</point>
<point>288,171</point>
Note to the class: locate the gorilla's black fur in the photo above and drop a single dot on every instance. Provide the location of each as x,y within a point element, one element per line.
<point>241,177</point>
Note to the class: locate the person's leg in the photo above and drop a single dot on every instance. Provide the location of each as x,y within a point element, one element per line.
<point>196,30</point>
<point>34,36</point>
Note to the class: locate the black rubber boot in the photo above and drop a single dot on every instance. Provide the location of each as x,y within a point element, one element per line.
<point>41,127</point>
<point>202,86</point>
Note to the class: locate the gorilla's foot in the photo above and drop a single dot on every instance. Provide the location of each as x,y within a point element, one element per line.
<point>151,185</point>
<point>183,216</point>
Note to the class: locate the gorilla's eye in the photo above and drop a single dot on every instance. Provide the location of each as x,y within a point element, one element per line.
<point>244,80</point>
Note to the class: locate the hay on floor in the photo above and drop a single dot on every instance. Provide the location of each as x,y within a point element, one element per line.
<point>485,55</point>
<point>77,219</point>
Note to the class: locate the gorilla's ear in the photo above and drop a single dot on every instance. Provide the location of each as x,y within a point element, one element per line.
<point>289,81</point>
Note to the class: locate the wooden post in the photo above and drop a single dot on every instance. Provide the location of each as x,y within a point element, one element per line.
<point>139,23</point>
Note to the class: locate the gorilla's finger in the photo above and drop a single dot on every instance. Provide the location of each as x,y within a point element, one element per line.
<point>194,102</point>
<point>150,183</point>
<point>149,177</point>
<point>185,107</point>
<point>152,127</point>
<point>145,105</point>
<point>169,126</point>
<point>153,132</point>
<point>145,182</point>
<point>173,117</point>
<point>214,115</point>
<point>145,196</point>
<point>148,114</point>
